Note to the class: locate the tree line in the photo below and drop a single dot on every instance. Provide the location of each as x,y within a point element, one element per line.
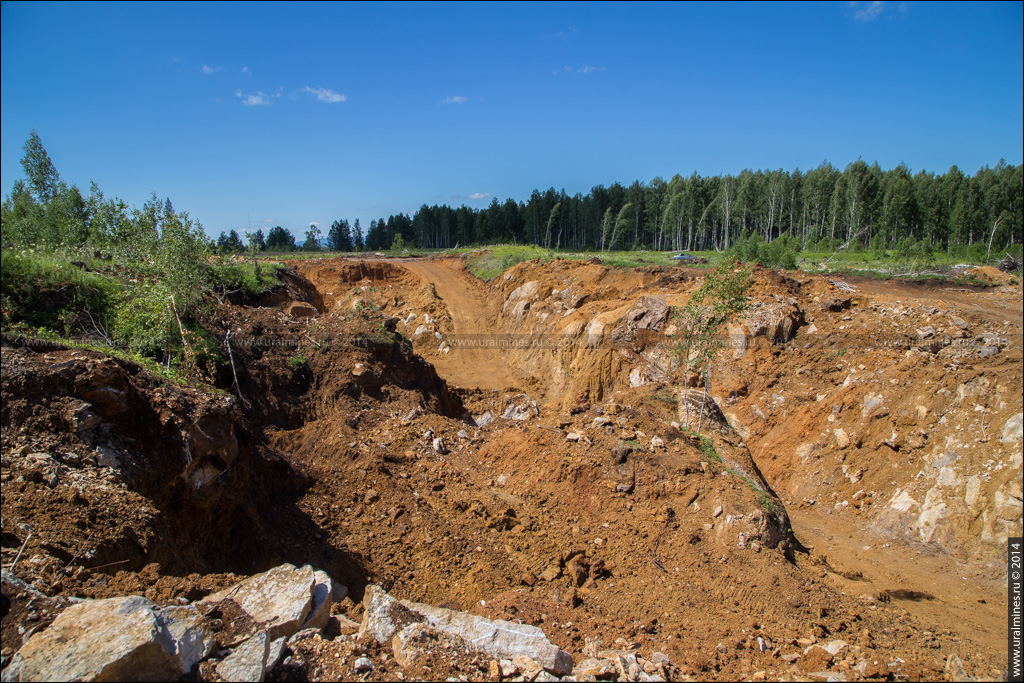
<point>861,204</point>
<point>818,209</point>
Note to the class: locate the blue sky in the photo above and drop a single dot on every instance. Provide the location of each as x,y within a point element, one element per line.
<point>291,114</point>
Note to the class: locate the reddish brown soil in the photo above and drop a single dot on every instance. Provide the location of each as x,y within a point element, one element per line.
<point>333,465</point>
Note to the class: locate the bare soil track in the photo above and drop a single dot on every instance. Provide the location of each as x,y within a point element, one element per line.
<point>861,474</point>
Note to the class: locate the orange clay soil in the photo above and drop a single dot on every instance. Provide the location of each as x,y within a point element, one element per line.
<point>858,476</point>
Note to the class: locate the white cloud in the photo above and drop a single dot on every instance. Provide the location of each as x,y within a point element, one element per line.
<point>479,195</point>
<point>455,99</point>
<point>586,69</point>
<point>253,99</point>
<point>246,71</point>
<point>325,95</point>
<point>210,69</point>
<point>869,11</point>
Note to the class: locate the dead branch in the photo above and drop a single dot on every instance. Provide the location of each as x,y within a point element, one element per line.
<point>234,373</point>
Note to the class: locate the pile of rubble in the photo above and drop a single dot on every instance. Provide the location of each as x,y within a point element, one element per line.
<point>271,624</point>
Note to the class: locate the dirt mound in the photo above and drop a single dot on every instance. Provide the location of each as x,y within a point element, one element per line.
<point>990,275</point>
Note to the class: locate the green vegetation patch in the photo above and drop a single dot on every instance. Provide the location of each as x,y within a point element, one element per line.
<point>43,290</point>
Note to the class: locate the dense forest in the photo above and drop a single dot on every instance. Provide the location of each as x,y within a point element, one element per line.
<point>862,205</point>
<point>823,207</point>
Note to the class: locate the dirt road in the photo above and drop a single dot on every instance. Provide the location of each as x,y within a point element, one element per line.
<point>467,301</point>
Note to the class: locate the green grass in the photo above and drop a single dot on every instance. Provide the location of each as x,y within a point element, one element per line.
<point>491,262</point>
<point>707,448</point>
<point>241,275</point>
<point>866,262</point>
<point>488,263</point>
<point>47,291</point>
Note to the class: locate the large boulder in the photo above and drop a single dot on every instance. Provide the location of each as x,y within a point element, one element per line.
<point>776,320</point>
<point>384,617</point>
<point>118,639</point>
<point>283,599</point>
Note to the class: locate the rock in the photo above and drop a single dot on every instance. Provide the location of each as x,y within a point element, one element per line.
<point>551,573</point>
<point>834,647</point>
<point>842,438</point>
<point>629,669</point>
<point>657,443</point>
<point>384,617</point>
<point>187,627</point>
<point>371,496</point>
<point>527,666</point>
<point>363,664</point>
<point>572,436</point>
<point>300,309</point>
<point>439,447</point>
<point>279,599</point>
<point>483,420</point>
<point>959,322</point>
<point>522,292</point>
<point>528,579</point>
<point>1013,429</point>
<point>621,451</point>
<point>304,634</point>
<point>324,591</point>
<point>118,639</point>
<point>955,669</point>
<point>275,653</point>
<point>718,511</point>
<point>775,320</point>
<point>659,658</point>
<point>594,668</point>
<point>578,573</point>
<point>647,313</point>
<point>988,351</point>
<point>872,405</point>
<point>520,408</point>
<point>926,332</point>
<point>249,660</point>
